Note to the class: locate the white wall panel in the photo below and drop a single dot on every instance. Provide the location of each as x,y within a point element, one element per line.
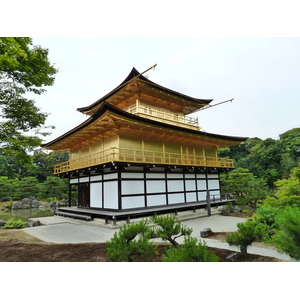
<point>156,186</point>
<point>189,175</point>
<point>213,184</point>
<point>191,197</point>
<point>111,194</point>
<point>174,175</point>
<point>212,175</point>
<point>96,195</point>
<point>175,186</point>
<point>111,176</point>
<point>190,185</point>
<point>156,200</point>
<point>201,175</point>
<point>201,196</point>
<point>201,184</point>
<point>176,198</point>
<point>132,187</point>
<point>133,202</point>
<point>132,175</point>
<point>84,179</point>
<point>96,178</point>
<point>155,175</point>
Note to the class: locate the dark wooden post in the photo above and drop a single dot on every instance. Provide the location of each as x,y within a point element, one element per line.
<point>70,195</point>
<point>128,219</point>
<point>208,203</point>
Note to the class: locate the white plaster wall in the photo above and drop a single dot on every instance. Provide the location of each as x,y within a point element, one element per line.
<point>213,184</point>
<point>96,195</point>
<point>133,202</point>
<point>132,187</point>
<point>176,198</point>
<point>175,186</point>
<point>156,200</point>
<point>156,186</point>
<point>111,194</point>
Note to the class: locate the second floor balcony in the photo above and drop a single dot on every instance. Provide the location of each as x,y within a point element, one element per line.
<point>164,116</point>
<point>141,156</point>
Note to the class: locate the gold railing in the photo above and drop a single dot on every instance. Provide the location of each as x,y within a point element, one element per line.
<point>142,156</point>
<point>165,117</point>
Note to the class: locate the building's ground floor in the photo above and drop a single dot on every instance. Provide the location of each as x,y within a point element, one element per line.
<point>119,187</point>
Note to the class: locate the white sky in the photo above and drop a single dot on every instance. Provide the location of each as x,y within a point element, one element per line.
<point>261,74</point>
<point>205,49</point>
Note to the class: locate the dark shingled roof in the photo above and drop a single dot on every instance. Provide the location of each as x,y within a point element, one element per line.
<point>134,74</point>
<point>107,107</point>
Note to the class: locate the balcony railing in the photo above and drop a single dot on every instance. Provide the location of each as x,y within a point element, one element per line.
<point>165,117</point>
<point>142,156</point>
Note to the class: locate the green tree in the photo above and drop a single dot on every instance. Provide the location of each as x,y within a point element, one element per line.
<point>287,239</point>
<point>3,166</point>
<point>169,229</point>
<point>130,241</point>
<point>266,215</point>
<point>247,233</point>
<point>8,188</point>
<point>290,143</point>
<point>192,250</point>
<point>43,163</point>
<point>28,187</point>
<point>248,189</point>
<point>23,68</point>
<point>288,191</point>
<point>268,159</point>
<point>54,187</point>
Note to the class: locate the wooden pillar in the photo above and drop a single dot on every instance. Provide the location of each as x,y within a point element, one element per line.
<point>70,194</point>
<point>208,203</point>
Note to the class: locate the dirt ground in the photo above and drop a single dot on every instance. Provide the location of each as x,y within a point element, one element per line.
<point>17,246</point>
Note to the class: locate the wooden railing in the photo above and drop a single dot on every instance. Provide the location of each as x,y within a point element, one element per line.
<point>165,117</point>
<point>142,156</point>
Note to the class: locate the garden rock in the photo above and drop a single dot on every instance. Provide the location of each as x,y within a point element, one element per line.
<point>236,208</point>
<point>52,203</point>
<point>26,203</point>
<point>33,223</point>
<point>2,222</point>
<point>16,205</point>
<point>232,257</point>
<point>35,204</point>
<point>206,232</point>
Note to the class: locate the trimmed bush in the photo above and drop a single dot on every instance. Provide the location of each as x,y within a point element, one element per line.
<point>169,229</point>
<point>131,240</point>
<point>287,239</point>
<point>248,232</point>
<point>192,250</point>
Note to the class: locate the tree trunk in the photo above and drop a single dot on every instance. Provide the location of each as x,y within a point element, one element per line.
<point>244,250</point>
<point>174,243</point>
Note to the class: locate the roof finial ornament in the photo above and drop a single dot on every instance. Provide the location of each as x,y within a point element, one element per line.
<point>153,67</point>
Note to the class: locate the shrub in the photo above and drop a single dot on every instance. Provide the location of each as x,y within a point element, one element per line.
<point>14,223</point>
<point>169,229</point>
<point>287,239</point>
<point>248,232</point>
<point>131,240</point>
<point>192,250</point>
<point>266,215</point>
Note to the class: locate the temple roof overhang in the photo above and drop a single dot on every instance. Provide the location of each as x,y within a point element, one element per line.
<point>135,83</point>
<point>109,120</point>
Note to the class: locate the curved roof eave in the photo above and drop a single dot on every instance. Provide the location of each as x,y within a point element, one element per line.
<point>107,107</point>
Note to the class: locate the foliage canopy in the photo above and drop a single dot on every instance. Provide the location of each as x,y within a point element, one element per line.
<point>24,69</point>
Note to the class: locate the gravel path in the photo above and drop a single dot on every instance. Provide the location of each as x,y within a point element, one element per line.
<point>66,230</point>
